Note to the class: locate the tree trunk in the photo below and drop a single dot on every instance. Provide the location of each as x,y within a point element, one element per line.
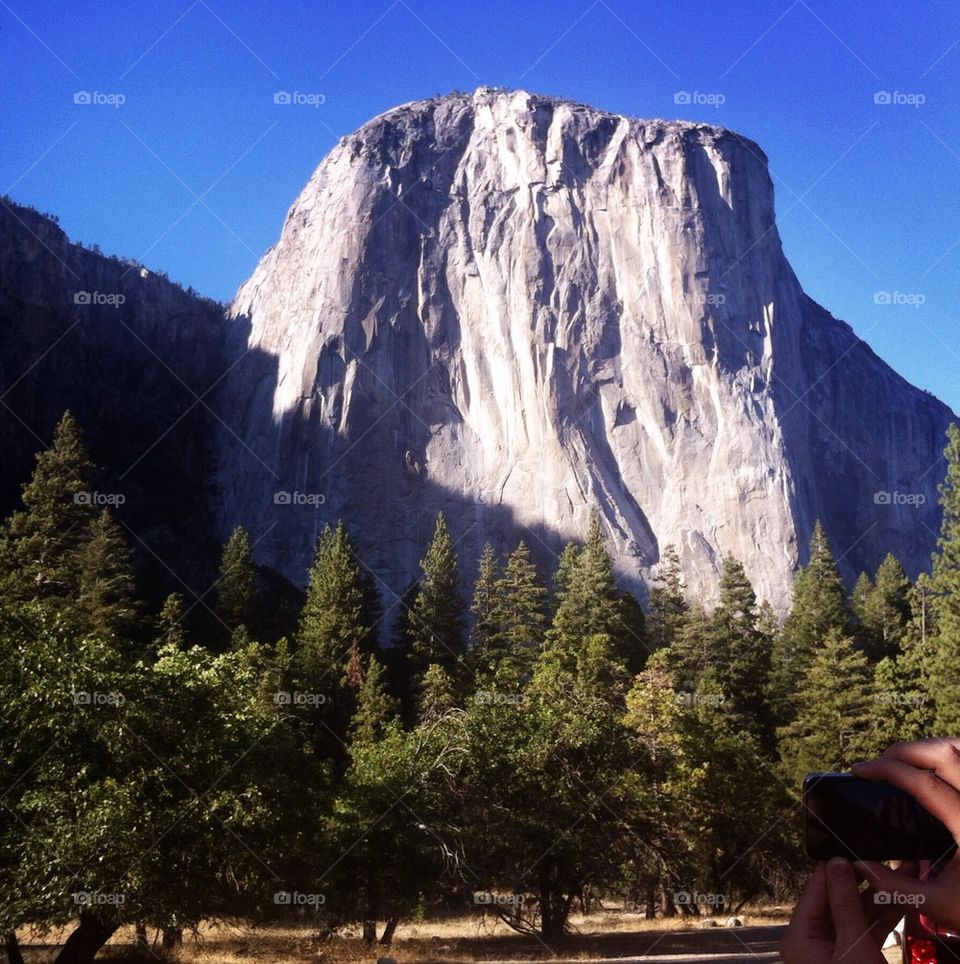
<point>172,937</point>
<point>650,903</point>
<point>13,948</point>
<point>369,931</point>
<point>389,930</point>
<point>83,943</point>
<point>141,936</point>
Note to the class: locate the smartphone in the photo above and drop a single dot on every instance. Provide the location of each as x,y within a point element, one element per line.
<point>847,816</point>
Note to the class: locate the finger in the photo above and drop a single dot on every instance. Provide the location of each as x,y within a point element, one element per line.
<point>932,793</point>
<point>811,916</point>
<point>940,755</point>
<point>910,893</point>
<point>883,917</point>
<point>846,910</point>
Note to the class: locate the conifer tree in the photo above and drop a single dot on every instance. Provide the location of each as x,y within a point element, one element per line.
<point>375,706</point>
<point>482,607</point>
<point>835,713</point>
<point>436,619</point>
<point>105,601</point>
<point>819,606</point>
<point>235,585</point>
<point>667,606</point>
<point>519,618</point>
<point>170,630</point>
<point>740,654</point>
<point>886,610</point>
<point>945,596</point>
<point>331,623</point>
<point>38,543</point>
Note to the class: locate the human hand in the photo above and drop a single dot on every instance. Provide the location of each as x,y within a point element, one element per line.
<point>834,922</point>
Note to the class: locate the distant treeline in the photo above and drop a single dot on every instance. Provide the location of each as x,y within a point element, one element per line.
<point>521,746</point>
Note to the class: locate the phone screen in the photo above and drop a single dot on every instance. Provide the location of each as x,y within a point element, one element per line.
<point>847,816</point>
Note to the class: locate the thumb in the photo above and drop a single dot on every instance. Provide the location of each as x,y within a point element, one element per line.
<point>889,884</point>
<point>846,910</point>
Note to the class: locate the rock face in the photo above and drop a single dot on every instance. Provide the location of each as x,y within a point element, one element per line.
<point>520,311</point>
<point>130,353</point>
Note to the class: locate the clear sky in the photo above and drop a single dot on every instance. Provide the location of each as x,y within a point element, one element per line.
<point>194,172</point>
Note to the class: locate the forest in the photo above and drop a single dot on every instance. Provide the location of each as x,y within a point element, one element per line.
<point>524,745</point>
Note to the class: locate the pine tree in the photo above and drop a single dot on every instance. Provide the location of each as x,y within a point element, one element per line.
<point>519,618</point>
<point>331,623</point>
<point>38,543</point>
<point>436,620</point>
<point>886,610</point>
<point>688,656</point>
<point>667,606</point>
<point>170,630</point>
<point>945,596</point>
<point>235,585</point>
<point>375,706</point>
<point>835,712</point>
<point>105,602</point>
<point>482,607</point>
<point>819,606</point>
<point>740,655</point>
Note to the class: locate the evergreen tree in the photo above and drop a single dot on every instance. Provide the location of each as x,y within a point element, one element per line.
<point>38,543</point>
<point>235,585</point>
<point>518,619</point>
<point>436,619</point>
<point>667,606</point>
<point>945,596</point>
<point>106,593</point>
<point>688,656</point>
<point>819,606</point>
<point>331,623</point>
<point>835,714</point>
<point>375,706</point>
<point>740,654</point>
<point>482,607</point>
<point>170,623</point>
<point>886,611</point>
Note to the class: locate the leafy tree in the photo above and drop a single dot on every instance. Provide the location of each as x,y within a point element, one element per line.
<point>235,584</point>
<point>945,596</point>
<point>835,711</point>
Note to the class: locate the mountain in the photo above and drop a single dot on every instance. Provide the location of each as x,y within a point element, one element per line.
<point>137,359</point>
<point>519,311</point>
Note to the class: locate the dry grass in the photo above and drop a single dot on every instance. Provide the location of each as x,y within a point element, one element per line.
<point>479,937</point>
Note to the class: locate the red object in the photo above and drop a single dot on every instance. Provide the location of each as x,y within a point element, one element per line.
<point>921,951</point>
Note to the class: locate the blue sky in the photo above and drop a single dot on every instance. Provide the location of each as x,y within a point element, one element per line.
<point>194,173</point>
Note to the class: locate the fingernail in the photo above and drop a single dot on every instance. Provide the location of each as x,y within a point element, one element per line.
<point>838,869</point>
<point>860,763</point>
